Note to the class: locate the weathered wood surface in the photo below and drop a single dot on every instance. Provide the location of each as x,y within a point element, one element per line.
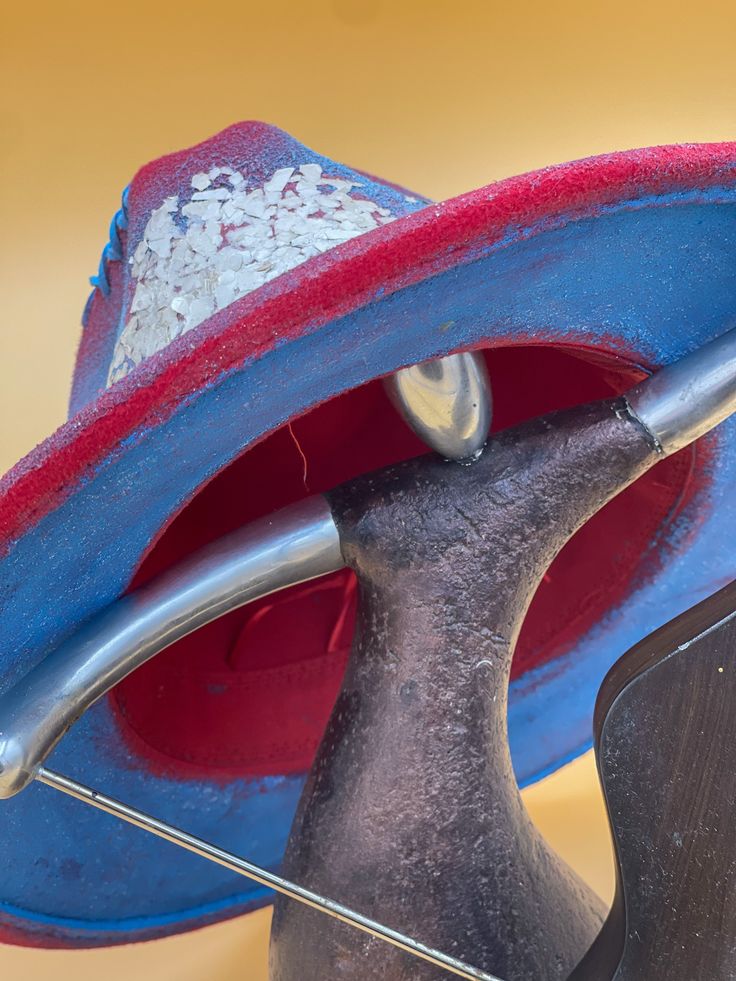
<point>412,814</point>
<point>666,747</point>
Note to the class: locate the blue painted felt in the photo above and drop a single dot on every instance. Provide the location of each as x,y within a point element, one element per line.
<point>659,279</point>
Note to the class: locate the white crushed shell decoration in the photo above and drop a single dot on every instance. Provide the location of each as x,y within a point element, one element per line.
<point>227,240</point>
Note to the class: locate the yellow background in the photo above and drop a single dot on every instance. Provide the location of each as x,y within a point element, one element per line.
<point>439,96</point>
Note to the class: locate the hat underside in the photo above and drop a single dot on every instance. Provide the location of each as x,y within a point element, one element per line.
<point>250,694</point>
<point>216,732</point>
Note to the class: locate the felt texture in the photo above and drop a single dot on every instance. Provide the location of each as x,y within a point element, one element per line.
<point>576,280</point>
<point>250,694</point>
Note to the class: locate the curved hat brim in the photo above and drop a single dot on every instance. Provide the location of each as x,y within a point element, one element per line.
<point>628,255</point>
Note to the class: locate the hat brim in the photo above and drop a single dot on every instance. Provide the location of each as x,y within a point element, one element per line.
<point>629,254</point>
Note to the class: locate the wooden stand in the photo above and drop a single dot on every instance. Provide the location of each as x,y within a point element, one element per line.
<point>666,748</point>
<point>412,814</point>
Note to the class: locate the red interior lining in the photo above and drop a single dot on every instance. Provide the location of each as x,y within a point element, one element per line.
<point>250,694</point>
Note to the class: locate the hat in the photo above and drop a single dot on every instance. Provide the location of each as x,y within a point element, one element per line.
<point>251,297</point>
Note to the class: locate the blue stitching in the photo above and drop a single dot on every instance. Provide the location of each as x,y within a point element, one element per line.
<point>113,252</point>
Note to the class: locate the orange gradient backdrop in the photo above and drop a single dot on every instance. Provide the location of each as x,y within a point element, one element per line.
<point>439,96</point>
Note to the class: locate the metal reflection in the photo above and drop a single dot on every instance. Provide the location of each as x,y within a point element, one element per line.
<point>291,546</point>
<point>688,398</point>
<point>447,402</point>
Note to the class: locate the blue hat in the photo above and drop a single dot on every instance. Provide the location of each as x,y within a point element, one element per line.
<point>250,298</point>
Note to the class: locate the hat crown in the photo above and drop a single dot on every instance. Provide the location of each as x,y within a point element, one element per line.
<point>208,226</point>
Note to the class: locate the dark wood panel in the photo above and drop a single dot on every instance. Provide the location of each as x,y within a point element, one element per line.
<point>666,748</point>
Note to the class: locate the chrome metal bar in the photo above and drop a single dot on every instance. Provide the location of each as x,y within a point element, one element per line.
<point>688,398</point>
<point>291,546</point>
<point>447,402</point>
<point>265,878</point>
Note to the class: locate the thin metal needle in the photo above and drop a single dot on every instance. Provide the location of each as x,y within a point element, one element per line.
<point>265,878</point>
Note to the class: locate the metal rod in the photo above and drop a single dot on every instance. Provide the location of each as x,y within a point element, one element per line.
<point>687,398</point>
<point>298,543</point>
<point>265,878</point>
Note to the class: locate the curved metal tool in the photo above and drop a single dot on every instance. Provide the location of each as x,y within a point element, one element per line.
<point>688,398</point>
<point>412,810</point>
<point>291,546</point>
<point>297,545</point>
<point>411,807</point>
